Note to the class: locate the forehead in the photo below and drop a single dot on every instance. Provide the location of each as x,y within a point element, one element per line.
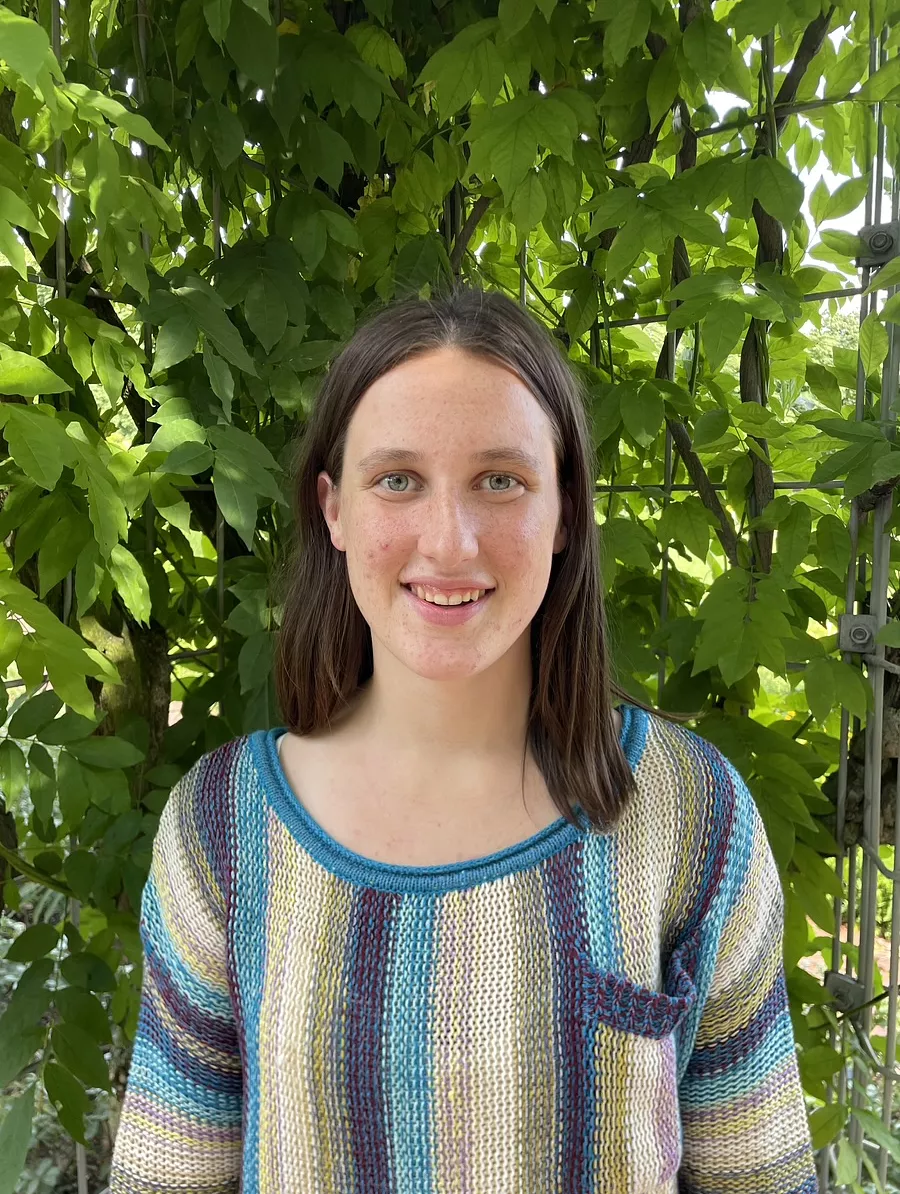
<point>450,397</point>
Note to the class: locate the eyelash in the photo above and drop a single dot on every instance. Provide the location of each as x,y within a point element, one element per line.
<point>401,492</point>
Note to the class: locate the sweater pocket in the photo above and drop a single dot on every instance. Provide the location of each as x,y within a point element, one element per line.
<point>630,1033</point>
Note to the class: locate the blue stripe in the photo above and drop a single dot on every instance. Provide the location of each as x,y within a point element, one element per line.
<point>410,1043</point>
<point>251,905</point>
<point>151,1073</point>
<point>160,946</point>
<point>744,1076</point>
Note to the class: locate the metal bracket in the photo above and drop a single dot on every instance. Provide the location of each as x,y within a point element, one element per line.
<point>856,632</point>
<point>881,241</point>
<point>848,993</point>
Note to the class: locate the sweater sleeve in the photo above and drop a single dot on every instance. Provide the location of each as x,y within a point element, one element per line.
<point>180,1125</point>
<point>742,1107</point>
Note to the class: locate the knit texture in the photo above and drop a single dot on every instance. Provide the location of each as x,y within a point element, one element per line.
<point>577,1014</point>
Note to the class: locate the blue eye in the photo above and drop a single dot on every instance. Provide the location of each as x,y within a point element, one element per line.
<point>390,476</point>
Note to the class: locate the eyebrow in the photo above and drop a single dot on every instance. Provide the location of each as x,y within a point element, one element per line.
<point>382,457</point>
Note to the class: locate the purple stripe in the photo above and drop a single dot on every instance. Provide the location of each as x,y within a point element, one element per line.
<point>225,1081</point>
<point>219,1034</point>
<point>723,1055</point>
<point>199,1130</point>
<point>563,876</point>
<point>370,942</point>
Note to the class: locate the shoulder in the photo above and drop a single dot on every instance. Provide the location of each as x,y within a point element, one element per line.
<point>691,804</point>
<point>201,813</point>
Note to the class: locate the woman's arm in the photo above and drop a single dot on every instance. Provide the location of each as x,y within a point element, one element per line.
<point>180,1127</point>
<point>742,1108</point>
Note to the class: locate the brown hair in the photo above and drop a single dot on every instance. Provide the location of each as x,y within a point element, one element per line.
<point>324,646</point>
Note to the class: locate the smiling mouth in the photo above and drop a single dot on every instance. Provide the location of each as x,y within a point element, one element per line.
<point>445,600</point>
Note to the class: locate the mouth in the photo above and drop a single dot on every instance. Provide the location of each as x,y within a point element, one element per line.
<point>450,601</point>
<point>449,614</point>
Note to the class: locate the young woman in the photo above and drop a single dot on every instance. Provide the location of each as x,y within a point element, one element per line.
<point>463,925</point>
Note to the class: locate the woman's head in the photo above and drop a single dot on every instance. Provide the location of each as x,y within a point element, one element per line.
<point>449,442</point>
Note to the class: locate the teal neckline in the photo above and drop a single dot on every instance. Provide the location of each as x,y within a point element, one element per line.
<point>453,876</point>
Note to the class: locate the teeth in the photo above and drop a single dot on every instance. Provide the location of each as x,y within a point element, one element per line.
<point>444,599</point>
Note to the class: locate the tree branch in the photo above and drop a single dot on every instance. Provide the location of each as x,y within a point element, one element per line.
<point>482,203</point>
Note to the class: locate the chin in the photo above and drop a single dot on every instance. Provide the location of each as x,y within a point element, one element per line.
<point>447,667</point>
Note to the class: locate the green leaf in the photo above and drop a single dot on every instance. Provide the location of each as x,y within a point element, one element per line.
<point>216,325</point>
<point>887,275</point>
<point>129,579</point>
<point>18,1046</point>
<point>794,532</point>
<point>628,28</point>
<point>874,1128</point>
<point>709,427</point>
<point>515,15</point>
<point>662,87</point>
<point>711,284</point>
<point>642,413</point>
<point>777,188</point>
<point>813,900</point>
<point>529,203</point>
<point>87,970</point>
<point>17,211</point>
<point>847,198</point>
<point>106,751</point>
<point>468,64</point>
<point>36,942</point>
<point>612,208</point>
<point>187,459</point>
<point>505,139</point>
<point>755,17</point>
<point>26,48</point>
<point>847,1166</point>
<point>880,85</point>
<point>68,1096</point>
<point>33,715</point>
<point>820,1062</point>
<point>176,340</point>
<point>627,246</point>
<point>686,521</point>
<point>819,687</point>
<point>873,342</point>
<point>833,545</point>
<point>707,47</point>
<point>218,127</point>
<point>255,661</point>
<point>252,42</point>
<point>889,635</point>
<point>15,1131</point>
<point>720,331</point>
<point>220,378</point>
<point>266,313</point>
<point>218,16</point>
<point>850,687</point>
<point>80,1054</point>
<point>26,375</point>
<point>826,1122</point>
<point>819,201</point>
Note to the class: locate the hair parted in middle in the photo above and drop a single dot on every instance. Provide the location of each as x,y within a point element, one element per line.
<point>324,645</point>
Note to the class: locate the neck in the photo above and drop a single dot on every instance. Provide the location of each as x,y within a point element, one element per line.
<point>485,715</point>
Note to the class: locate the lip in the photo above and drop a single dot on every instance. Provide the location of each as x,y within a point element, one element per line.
<point>456,586</point>
<point>447,615</point>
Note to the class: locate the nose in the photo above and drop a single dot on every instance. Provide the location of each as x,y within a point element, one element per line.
<point>449,528</point>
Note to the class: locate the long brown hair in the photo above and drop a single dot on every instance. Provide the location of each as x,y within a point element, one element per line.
<point>324,646</point>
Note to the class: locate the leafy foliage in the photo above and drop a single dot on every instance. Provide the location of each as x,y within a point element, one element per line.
<point>228,187</point>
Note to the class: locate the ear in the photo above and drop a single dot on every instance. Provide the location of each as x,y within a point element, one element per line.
<point>330,505</point>
<point>565,521</point>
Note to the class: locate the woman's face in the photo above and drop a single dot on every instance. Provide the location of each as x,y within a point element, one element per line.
<point>449,481</point>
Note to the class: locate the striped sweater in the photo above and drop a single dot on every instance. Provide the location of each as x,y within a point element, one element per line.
<point>578,1013</point>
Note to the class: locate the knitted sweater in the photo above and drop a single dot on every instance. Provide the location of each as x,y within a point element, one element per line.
<point>579,1013</point>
